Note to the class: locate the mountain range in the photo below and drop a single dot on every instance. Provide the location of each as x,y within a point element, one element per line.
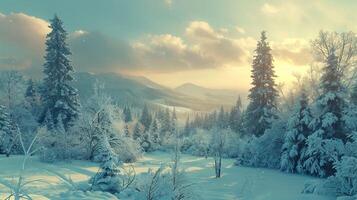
<point>138,90</point>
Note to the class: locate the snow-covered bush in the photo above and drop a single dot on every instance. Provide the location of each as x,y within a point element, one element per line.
<point>58,145</point>
<point>111,178</point>
<point>263,151</point>
<point>152,185</point>
<point>198,143</point>
<point>127,149</point>
<point>346,176</point>
<point>321,154</point>
<point>164,183</point>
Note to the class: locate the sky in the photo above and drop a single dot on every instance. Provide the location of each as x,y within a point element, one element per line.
<point>207,42</point>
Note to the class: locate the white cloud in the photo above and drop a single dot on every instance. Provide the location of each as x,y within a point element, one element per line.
<point>269,9</point>
<point>293,50</point>
<point>168,2</point>
<point>202,47</point>
<point>23,30</point>
<point>78,33</point>
<point>240,30</point>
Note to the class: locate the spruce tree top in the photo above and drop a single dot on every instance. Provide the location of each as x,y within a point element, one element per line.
<point>263,73</point>
<point>57,61</point>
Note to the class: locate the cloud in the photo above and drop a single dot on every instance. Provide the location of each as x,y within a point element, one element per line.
<point>269,9</point>
<point>23,37</point>
<point>95,52</point>
<point>168,2</point>
<point>23,31</point>
<point>240,30</point>
<point>201,47</point>
<point>294,51</point>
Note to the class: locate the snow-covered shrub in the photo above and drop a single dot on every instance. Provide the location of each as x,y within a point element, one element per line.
<point>162,183</point>
<point>264,151</point>
<point>321,154</point>
<point>127,149</point>
<point>198,143</point>
<point>152,185</point>
<point>345,179</point>
<point>111,178</point>
<point>17,187</point>
<point>58,144</point>
<point>231,148</point>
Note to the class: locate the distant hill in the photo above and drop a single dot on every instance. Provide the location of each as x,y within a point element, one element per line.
<point>217,95</point>
<point>137,91</point>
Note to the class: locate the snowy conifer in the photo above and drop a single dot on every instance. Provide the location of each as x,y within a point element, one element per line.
<point>173,122</point>
<point>221,119</point>
<point>330,128</point>
<point>108,179</point>
<point>59,96</point>
<point>138,131</point>
<point>6,135</point>
<point>263,95</point>
<point>145,118</point>
<point>298,130</point>
<point>235,116</point>
<point>127,114</point>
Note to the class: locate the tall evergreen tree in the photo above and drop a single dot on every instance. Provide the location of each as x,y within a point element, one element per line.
<point>331,103</point>
<point>173,122</point>
<point>127,115</point>
<point>235,116</point>
<point>221,119</point>
<point>59,97</point>
<point>145,118</point>
<point>298,129</point>
<point>330,129</point>
<point>263,95</point>
<point>31,89</point>
<point>187,128</point>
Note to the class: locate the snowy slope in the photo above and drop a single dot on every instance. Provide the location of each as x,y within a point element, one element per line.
<point>237,182</point>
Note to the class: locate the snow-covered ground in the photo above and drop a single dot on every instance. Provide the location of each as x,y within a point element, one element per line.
<point>237,182</point>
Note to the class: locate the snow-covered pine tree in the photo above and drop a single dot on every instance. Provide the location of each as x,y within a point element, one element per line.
<point>32,97</point>
<point>331,103</point>
<point>263,95</point>
<point>221,119</point>
<point>145,118</point>
<point>6,135</point>
<point>330,129</point>
<point>235,116</point>
<point>59,97</point>
<point>154,134</point>
<point>138,131</point>
<point>108,179</point>
<point>187,128</point>
<point>298,130</point>
<point>126,130</point>
<point>164,123</point>
<point>31,91</point>
<point>127,114</point>
<point>173,122</point>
